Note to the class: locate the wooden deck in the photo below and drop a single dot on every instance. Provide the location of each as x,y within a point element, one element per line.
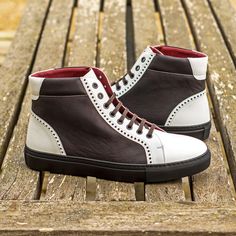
<point>110,34</point>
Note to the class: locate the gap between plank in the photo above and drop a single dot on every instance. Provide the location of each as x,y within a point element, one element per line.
<point>71,33</point>
<point>130,43</point>
<point>186,181</point>
<point>45,175</point>
<point>227,43</point>
<point>139,187</point>
<point>160,20</point>
<point>217,122</point>
<point>99,33</point>
<point>71,20</point>
<point>16,114</point>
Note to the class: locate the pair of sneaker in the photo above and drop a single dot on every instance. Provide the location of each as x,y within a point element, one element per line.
<point>81,125</point>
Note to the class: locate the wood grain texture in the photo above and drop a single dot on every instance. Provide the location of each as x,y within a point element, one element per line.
<point>145,25</point>
<point>113,62</point>
<point>206,184</point>
<point>146,33</point>
<point>54,38</point>
<point>82,52</point>
<point>175,24</point>
<point>53,43</point>
<point>222,73</point>
<point>171,191</point>
<point>113,40</point>
<point>84,45</point>
<point>64,187</point>
<point>114,191</point>
<point>214,185</point>
<point>16,66</point>
<point>17,181</point>
<point>115,218</point>
<point>225,15</point>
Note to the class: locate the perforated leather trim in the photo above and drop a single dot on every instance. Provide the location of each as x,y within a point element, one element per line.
<point>178,108</point>
<point>56,137</point>
<point>148,54</point>
<point>153,154</point>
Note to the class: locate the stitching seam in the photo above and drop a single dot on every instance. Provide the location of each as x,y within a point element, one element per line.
<point>181,105</point>
<point>114,126</point>
<point>58,141</point>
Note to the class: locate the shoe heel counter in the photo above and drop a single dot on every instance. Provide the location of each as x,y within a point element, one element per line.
<point>192,111</point>
<point>42,137</point>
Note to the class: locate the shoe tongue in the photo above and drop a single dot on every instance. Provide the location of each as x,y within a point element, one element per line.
<point>89,74</point>
<point>155,50</point>
<point>101,77</point>
<point>96,73</point>
<point>149,51</point>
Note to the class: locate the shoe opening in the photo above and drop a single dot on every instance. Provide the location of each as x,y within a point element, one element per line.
<point>177,52</point>
<point>62,72</point>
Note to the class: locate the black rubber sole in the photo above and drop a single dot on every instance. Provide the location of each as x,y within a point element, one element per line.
<point>201,132</point>
<point>80,166</point>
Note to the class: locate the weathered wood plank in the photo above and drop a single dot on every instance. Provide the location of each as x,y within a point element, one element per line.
<point>64,187</point>
<point>17,181</point>
<point>175,25</point>
<point>222,73</point>
<point>171,191</point>
<point>145,25</point>
<point>82,52</point>
<point>113,40</point>
<point>84,45</point>
<point>16,66</point>
<point>113,62</point>
<point>206,184</point>
<point>147,34</point>
<point>53,42</point>
<point>214,185</point>
<point>225,15</point>
<point>115,218</point>
<point>114,191</point>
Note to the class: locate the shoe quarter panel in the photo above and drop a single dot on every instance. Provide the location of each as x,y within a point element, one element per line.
<point>159,92</point>
<point>171,64</point>
<point>83,132</point>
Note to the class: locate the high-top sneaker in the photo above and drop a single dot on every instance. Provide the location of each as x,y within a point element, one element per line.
<point>166,86</point>
<point>79,127</point>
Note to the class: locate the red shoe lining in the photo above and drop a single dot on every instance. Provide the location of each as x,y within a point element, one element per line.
<point>80,72</point>
<point>177,52</point>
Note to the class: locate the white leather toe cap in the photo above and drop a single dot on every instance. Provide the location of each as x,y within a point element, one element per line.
<point>180,147</point>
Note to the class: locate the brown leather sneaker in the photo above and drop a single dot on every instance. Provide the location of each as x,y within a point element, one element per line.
<point>79,127</point>
<point>166,86</point>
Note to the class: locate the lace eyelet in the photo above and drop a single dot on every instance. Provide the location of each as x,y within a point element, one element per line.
<point>105,106</point>
<point>120,122</point>
<point>100,96</point>
<point>125,82</point>
<point>132,75</point>
<point>143,59</point>
<point>129,127</point>
<point>95,85</point>
<point>112,114</point>
<point>137,68</point>
<point>149,136</point>
<point>118,88</point>
<point>139,132</point>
